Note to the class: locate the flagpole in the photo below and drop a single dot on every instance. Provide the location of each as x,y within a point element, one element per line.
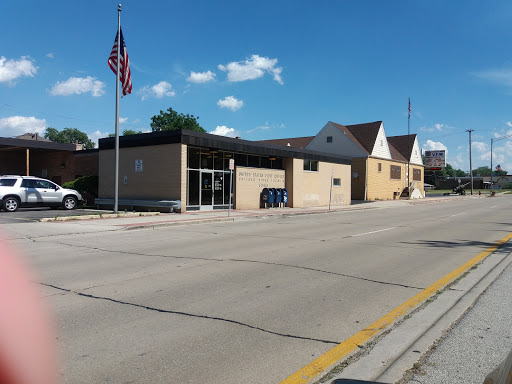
<point>409,149</point>
<point>119,46</point>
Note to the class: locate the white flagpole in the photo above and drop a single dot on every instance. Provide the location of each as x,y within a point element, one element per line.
<point>116,182</point>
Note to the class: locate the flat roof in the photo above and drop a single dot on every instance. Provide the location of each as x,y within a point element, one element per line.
<point>7,142</point>
<point>229,144</point>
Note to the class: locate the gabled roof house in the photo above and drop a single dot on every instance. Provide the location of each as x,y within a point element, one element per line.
<point>380,165</point>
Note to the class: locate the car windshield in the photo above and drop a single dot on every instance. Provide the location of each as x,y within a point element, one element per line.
<point>7,182</point>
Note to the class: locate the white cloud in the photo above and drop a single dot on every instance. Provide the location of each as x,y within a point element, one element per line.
<point>201,77</point>
<point>78,85</point>
<point>222,130</point>
<point>10,70</point>
<point>496,76</point>
<point>435,128</point>
<point>479,146</point>
<point>509,123</point>
<point>50,55</point>
<point>18,125</point>
<point>434,145</point>
<point>159,90</point>
<point>95,136</point>
<point>123,120</point>
<point>252,68</point>
<point>230,102</point>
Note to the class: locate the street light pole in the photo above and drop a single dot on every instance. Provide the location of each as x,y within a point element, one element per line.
<point>470,165</point>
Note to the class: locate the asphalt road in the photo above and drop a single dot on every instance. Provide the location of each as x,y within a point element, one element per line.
<point>243,302</point>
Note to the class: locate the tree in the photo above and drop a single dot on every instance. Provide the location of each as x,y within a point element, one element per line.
<point>126,132</point>
<point>482,171</point>
<point>69,136</point>
<point>171,120</point>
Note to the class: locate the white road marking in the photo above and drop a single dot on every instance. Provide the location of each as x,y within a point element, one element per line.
<point>459,214</point>
<point>369,233</point>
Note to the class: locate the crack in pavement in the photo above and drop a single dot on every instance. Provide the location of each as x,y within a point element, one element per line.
<point>328,272</point>
<point>244,261</point>
<point>190,315</point>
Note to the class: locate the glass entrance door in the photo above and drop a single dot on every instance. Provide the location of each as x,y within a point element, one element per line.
<point>206,190</point>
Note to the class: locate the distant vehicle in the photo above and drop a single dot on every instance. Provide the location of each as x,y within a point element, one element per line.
<point>428,186</point>
<point>28,191</point>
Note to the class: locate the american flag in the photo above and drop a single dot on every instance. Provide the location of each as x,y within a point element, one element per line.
<point>124,66</point>
<point>498,168</point>
<point>409,107</point>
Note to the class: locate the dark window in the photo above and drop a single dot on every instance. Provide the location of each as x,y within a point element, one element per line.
<point>277,163</point>
<point>254,161</point>
<point>265,162</point>
<point>240,160</point>
<point>416,174</point>
<point>396,172</point>
<point>7,182</point>
<point>380,167</point>
<point>29,183</point>
<point>193,187</point>
<point>206,160</point>
<point>336,182</point>
<point>329,139</point>
<point>227,157</point>
<point>193,158</point>
<point>217,161</point>
<point>311,165</point>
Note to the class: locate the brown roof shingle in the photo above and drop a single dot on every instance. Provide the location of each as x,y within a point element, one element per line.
<point>403,144</point>
<point>295,142</point>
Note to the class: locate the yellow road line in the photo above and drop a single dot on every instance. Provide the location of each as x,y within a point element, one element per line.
<point>328,359</point>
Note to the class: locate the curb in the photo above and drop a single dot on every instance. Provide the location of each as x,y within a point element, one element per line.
<point>410,340</point>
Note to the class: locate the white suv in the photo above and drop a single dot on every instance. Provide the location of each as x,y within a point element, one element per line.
<point>26,191</point>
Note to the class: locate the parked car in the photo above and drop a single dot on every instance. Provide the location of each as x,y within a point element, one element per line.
<point>427,187</point>
<point>27,191</point>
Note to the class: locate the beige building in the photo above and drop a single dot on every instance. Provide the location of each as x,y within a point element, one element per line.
<point>193,169</point>
<point>381,165</point>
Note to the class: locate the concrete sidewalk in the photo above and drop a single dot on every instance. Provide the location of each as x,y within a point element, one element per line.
<point>475,345</point>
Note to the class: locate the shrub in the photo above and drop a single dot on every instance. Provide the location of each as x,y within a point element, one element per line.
<point>86,185</point>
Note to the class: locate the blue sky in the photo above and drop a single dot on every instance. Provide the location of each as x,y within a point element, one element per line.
<point>266,69</point>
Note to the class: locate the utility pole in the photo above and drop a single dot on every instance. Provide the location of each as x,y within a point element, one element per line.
<point>470,165</point>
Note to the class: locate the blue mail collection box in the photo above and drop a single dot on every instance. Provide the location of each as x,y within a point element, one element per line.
<point>267,197</point>
<point>284,197</point>
<point>278,197</point>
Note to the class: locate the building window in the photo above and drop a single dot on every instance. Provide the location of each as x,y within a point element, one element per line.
<point>336,182</point>
<point>396,172</point>
<point>329,139</point>
<point>382,143</point>
<point>416,174</point>
<point>379,166</point>
<point>311,165</point>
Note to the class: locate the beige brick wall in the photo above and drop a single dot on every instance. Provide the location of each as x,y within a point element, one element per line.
<point>317,185</point>
<point>294,181</point>
<point>380,184</point>
<point>163,176</point>
<point>249,182</point>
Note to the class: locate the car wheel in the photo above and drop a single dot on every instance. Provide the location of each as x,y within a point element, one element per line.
<point>69,202</point>
<point>10,204</point>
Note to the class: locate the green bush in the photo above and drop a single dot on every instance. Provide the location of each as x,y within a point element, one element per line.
<point>87,186</point>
